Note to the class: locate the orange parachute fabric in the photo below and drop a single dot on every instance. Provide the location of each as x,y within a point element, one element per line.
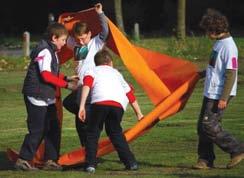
<point>167,81</point>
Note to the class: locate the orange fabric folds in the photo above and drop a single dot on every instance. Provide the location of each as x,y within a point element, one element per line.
<point>166,80</point>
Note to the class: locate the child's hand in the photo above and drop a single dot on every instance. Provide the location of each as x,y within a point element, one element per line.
<point>222,104</point>
<point>67,19</point>
<point>139,116</point>
<point>202,74</point>
<point>99,8</point>
<point>72,86</point>
<point>82,114</point>
<point>73,78</point>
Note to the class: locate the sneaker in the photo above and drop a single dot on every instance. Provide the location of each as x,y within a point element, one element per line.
<point>235,160</point>
<point>202,164</point>
<point>132,167</point>
<point>90,170</point>
<point>24,165</point>
<point>52,166</point>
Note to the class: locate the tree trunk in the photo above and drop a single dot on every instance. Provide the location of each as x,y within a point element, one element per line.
<point>119,14</point>
<point>181,22</point>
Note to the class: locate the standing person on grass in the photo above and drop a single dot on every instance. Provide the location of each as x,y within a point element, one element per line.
<point>219,88</point>
<point>109,96</point>
<point>41,81</point>
<point>84,47</point>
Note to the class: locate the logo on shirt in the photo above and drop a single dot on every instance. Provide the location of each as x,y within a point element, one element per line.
<point>234,63</point>
<point>80,53</point>
<point>213,58</point>
<point>39,58</point>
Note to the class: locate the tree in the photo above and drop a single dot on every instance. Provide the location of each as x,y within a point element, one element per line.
<point>181,16</point>
<point>119,14</point>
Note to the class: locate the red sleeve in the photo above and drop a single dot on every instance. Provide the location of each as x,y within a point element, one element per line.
<point>88,81</point>
<point>131,97</point>
<point>50,78</point>
<point>61,76</point>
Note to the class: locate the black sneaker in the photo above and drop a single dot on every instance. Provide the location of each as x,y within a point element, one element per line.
<point>24,165</point>
<point>132,167</point>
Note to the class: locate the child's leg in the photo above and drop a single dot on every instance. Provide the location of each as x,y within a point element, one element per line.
<point>205,144</point>
<point>81,127</point>
<point>52,138</point>
<point>94,128</point>
<point>114,131</point>
<point>213,129</point>
<point>36,127</point>
<point>70,103</point>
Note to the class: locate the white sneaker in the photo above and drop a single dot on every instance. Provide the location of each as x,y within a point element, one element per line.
<point>52,165</point>
<point>24,165</point>
<point>90,170</point>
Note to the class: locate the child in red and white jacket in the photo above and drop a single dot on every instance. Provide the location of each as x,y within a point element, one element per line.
<point>110,95</point>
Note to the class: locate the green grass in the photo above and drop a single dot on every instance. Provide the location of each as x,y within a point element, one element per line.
<point>168,150</point>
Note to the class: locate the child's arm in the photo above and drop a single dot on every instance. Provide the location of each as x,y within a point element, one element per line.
<point>230,77</point>
<point>137,110</point>
<point>131,97</point>
<point>230,56</point>
<point>103,21</point>
<point>44,59</point>
<point>84,95</point>
<point>87,84</point>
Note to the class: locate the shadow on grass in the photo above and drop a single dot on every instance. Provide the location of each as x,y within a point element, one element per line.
<point>5,164</point>
<point>81,166</point>
<point>190,175</point>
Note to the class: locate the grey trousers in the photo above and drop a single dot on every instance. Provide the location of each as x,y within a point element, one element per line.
<point>210,132</point>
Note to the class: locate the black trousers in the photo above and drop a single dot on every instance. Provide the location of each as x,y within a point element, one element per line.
<point>210,132</point>
<point>72,104</point>
<point>112,117</point>
<point>42,123</point>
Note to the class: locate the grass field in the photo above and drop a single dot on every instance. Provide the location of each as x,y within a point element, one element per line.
<point>168,150</point>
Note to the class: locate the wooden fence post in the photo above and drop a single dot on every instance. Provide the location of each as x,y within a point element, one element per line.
<point>136,32</point>
<point>26,44</point>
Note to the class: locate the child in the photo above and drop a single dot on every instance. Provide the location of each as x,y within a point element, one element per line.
<point>109,96</point>
<point>40,83</point>
<point>84,48</point>
<point>220,86</point>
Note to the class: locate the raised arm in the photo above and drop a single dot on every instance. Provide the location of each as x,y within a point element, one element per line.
<point>103,35</point>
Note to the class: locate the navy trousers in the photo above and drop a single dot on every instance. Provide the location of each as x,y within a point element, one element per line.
<point>72,104</point>
<point>42,123</point>
<point>112,117</point>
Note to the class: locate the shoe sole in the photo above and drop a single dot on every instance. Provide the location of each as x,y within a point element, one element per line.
<point>229,166</point>
<point>195,167</point>
<point>24,169</point>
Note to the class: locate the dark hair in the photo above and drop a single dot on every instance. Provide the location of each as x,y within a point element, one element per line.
<point>56,29</point>
<point>102,57</point>
<point>80,28</point>
<point>214,22</point>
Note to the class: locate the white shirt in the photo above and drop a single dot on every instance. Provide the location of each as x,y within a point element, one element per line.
<point>224,56</point>
<point>94,45</point>
<point>108,84</point>
<point>44,59</point>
